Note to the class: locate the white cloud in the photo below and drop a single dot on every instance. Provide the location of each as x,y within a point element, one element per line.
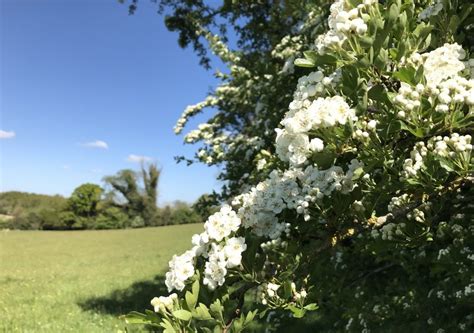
<point>138,158</point>
<point>7,134</point>
<point>96,144</point>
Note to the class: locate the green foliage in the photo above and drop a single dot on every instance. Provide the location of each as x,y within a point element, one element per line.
<point>114,218</point>
<point>85,199</point>
<point>86,210</point>
<point>29,210</point>
<point>179,212</point>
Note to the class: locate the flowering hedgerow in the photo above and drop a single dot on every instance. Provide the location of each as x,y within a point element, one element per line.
<point>366,207</point>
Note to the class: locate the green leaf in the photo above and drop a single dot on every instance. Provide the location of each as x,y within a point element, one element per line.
<point>237,325</point>
<point>191,300</point>
<point>357,173</point>
<point>313,59</point>
<point>419,74</point>
<point>168,327</point>
<point>393,13</point>
<point>402,48</point>
<point>454,23</point>
<point>202,313</point>
<point>406,75</point>
<point>366,41</point>
<point>378,93</point>
<point>300,62</point>
<point>311,307</point>
<point>262,313</point>
<point>325,59</point>
<point>250,316</point>
<point>418,132</point>
<point>310,55</point>
<point>217,309</point>
<point>421,32</point>
<point>325,158</point>
<point>182,314</point>
<point>195,287</point>
<point>447,165</point>
<point>382,59</point>
<point>402,19</point>
<point>297,312</point>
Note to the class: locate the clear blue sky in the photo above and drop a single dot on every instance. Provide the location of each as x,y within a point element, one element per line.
<point>77,71</point>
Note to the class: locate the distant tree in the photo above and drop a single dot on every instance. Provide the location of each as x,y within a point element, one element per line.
<point>150,177</point>
<point>131,197</point>
<point>165,215</point>
<point>182,213</point>
<point>84,200</point>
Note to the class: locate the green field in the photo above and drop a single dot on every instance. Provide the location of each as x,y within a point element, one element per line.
<point>81,281</point>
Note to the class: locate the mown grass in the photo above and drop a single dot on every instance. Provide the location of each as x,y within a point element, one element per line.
<point>81,281</point>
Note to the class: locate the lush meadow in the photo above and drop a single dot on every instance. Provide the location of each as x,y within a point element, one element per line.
<point>82,281</point>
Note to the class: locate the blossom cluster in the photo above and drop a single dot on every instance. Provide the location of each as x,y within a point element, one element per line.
<point>293,142</point>
<point>287,50</point>
<point>216,245</point>
<point>445,89</point>
<point>181,268</point>
<point>456,148</point>
<point>192,110</point>
<point>221,257</point>
<point>267,292</point>
<point>318,184</point>
<point>343,22</point>
<point>441,63</point>
<point>260,206</point>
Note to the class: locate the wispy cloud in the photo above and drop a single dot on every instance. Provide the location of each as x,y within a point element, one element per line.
<point>138,158</point>
<point>7,134</point>
<point>96,144</point>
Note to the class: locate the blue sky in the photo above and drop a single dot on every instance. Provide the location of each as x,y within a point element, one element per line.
<point>74,72</point>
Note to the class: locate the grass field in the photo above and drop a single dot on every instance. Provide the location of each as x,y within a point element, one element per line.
<point>81,281</point>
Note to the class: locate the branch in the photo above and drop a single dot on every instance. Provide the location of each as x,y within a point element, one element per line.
<point>375,271</point>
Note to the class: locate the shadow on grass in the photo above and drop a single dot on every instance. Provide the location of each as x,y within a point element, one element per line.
<point>121,301</point>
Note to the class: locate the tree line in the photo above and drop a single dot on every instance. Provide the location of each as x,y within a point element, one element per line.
<point>127,199</point>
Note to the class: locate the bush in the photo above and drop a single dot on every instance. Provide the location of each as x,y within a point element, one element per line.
<point>111,218</point>
<point>54,220</point>
<point>179,213</point>
<point>362,210</point>
<point>137,222</point>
